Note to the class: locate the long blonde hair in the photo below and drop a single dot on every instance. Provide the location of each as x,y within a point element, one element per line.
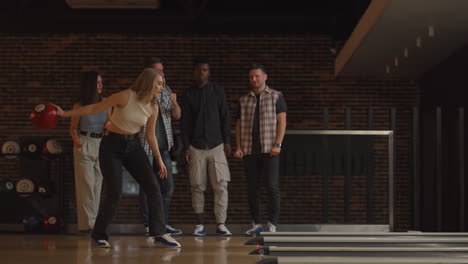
<point>144,84</point>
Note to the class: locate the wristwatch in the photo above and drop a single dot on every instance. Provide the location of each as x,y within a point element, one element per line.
<point>278,145</point>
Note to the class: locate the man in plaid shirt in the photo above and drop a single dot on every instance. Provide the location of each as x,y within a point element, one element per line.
<point>168,109</point>
<point>260,128</point>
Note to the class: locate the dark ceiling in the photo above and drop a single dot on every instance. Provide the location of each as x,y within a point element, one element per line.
<point>334,17</point>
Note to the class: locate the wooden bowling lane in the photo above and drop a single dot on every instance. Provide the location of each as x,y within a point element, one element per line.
<point>61,249</point>
<point>362,234</point>
<point>384,252</point>
<point>359,241</point>
<point>362,260</point>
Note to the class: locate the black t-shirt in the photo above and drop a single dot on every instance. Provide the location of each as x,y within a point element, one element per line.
<point>161,134</point>
<point>281,107</point>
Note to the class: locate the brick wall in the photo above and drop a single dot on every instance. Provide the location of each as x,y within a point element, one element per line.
<point>37,68</point>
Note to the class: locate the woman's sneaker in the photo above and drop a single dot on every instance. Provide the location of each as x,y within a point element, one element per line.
<point>255,229</point>
<point>167,241</point>
<point>222,230</point>
<point>100,243</point>
<point>199,230</point>
<point>173,231</point>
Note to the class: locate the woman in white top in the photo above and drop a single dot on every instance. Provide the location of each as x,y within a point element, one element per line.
<point>121,145</point>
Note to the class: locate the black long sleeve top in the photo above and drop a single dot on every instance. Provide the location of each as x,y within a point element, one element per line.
<point>205,121</point>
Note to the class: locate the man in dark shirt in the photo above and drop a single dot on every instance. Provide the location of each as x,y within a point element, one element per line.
<point>260,128</point>
<point>206,136</point>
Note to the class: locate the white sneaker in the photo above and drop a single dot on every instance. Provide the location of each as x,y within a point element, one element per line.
<point>173,231</point>
<point>222,230</point>
<point>147,230</point>
<point>167,241</point>
<point>255,229</point>
<point>199,230</point>
<point>271,227</point>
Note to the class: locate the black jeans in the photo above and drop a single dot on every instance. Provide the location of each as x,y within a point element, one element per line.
<point>117,150</point>
<point>167,188</point>
<point>263,168</point>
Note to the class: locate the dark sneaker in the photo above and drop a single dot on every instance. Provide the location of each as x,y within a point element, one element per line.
<point>167,241</point>
<point>100,243</point>
<point>173,231</point>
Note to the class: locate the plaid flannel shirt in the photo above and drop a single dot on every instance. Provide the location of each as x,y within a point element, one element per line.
<point>267,116</point>
<point>165,106</point>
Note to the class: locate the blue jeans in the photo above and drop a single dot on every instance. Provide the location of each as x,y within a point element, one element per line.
<point>117,150</point>
<point>167,188</point>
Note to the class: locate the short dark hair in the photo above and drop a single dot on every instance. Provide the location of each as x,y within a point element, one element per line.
<point>150,61</point>
<point>257,66</point>
<point>200,60</point>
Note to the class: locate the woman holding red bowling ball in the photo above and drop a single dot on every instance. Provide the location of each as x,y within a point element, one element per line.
<point>133,108</point>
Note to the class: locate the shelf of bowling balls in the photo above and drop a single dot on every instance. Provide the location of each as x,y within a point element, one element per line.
<point>10,156</point>
<point>56,132</point>
<point>11,191</point>
<point>40,219</point>
<point>51,223</point>
<point>38,157</point>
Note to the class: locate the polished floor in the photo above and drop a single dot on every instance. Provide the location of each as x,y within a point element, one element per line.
<point>69,249</point>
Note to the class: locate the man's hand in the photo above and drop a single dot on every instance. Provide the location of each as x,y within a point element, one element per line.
<point>187,157</point>
<point>275,151</point>
<point>239,154</point>
<point>176,111</point>
<point>227,149</point>
<point>173,97</point>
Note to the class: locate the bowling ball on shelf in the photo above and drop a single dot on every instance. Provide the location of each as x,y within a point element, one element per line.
<point>44,116</point>
<point>6,185</point>
<point>31,149</point>
<point>51,149</point>
<point>52,223</point>
<point>33,224</point>
<point>11,149</point>
<point>46,188</point>
<point>25,188</point>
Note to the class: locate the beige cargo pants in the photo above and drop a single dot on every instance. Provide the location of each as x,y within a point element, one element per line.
<point>212,164</point>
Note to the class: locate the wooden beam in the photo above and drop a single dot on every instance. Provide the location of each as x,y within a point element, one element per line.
<point>114,4</point>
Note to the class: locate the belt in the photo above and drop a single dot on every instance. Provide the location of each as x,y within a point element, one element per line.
<point>126,136</point>
<point>91,134</point>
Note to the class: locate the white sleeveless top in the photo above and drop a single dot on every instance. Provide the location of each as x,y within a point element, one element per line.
<point>133,116</point>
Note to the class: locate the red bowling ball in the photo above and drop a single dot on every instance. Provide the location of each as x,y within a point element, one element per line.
<point>44,116</point>
<point>52,223</point>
